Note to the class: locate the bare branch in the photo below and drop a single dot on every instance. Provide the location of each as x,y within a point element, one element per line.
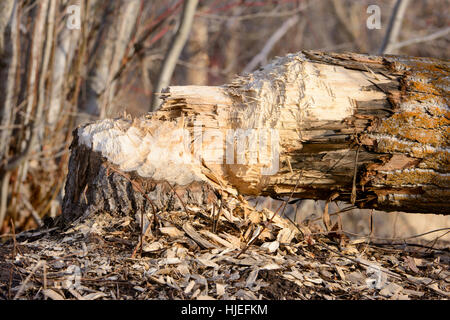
<point>433,36</point>
<point>347,22</point>
<point>117,34</point>
<point>395,24</point>
<point>255,15</point>
<point>276,36</point>
<point>174,51</point>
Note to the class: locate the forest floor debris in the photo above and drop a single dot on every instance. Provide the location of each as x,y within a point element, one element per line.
<point>248,254</point>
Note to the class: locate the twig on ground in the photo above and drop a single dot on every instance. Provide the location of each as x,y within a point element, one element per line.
<point>22,286</point>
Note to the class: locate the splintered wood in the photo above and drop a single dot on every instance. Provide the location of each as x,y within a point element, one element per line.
<point>292,127</point>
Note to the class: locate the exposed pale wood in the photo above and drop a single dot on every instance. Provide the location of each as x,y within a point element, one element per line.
<point>190,231</point>
<point>323,106</point>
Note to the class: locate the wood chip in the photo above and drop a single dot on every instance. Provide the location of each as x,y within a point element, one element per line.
<point>391,289</point>
<point>250,282</point>
<point>52,294</point>
<point>189,287</point>
<point>220,289</point>
<point>194,235</point>
<point>207,263</point>
<point>218,239</point>
<point>171,232</point>
<point>412,264</point>
<point>205,297</point>
<point>151,247</point>
<point>195,263</point>
<point>340,273</point>
<point>271,246</point>
<point>94,295</point>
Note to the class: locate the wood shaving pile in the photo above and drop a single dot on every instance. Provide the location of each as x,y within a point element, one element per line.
<point>246,255</point>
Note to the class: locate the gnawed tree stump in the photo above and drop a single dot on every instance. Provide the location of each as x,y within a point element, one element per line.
<point>369,130</point>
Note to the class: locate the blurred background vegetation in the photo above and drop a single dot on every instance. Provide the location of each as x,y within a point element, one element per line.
<point>54,77</point>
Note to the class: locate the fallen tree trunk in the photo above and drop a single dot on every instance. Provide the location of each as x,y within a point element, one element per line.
<point>369,130</point>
